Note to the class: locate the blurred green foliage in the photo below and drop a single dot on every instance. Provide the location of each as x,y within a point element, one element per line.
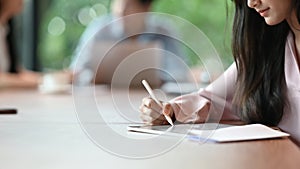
<point>55,50</point>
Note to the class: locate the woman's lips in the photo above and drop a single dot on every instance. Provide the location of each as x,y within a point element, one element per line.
<point>263,12</point>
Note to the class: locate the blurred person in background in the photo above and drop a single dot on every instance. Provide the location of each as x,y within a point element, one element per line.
<point>11,73</point>
<point>107,28</point>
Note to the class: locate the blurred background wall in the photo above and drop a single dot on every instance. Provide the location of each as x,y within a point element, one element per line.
<point>52,28</point>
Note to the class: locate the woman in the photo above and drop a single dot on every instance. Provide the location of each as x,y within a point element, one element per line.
<point>11,75</point>
<point>263,85</point>
<point>8,9</point>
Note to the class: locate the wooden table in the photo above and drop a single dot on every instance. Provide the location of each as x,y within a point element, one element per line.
<point>46,134</point>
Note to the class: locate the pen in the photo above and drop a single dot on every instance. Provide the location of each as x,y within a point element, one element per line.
<point>150,91</point>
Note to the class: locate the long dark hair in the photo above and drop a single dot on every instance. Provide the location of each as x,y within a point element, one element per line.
<point>259,50</point>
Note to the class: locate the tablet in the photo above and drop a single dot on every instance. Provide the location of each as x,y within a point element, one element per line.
<point>214,132</point>
<point>176,130</point>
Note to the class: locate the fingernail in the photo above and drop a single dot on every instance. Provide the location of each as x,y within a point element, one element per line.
<point>148,103</point>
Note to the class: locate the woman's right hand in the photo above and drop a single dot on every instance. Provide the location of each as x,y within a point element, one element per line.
<point>152,113</point>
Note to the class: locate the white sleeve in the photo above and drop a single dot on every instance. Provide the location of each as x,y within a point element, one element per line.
<point>218,94</point>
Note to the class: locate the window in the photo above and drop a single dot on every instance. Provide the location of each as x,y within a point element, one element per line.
<point>61,22</point>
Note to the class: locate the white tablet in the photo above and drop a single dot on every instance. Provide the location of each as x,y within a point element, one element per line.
<point>176,130</point>
<point>214,132</point>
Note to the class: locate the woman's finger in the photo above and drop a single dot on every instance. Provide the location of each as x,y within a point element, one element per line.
<point>167,109</point>
<point>160,121</point>
<point>153,121</point>
<point>145,111</point>
<point>150,103</point>
<point>146,119</point>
